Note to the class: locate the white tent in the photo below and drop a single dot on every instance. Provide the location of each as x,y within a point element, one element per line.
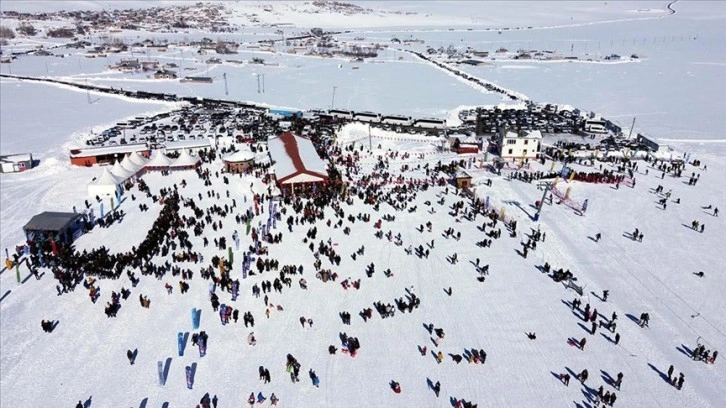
<point>130,166</point>
<point>105,185</point>
<point>158,162</point>
<point>137,159</point>
<point>185,161</point>
<point>120,172</point>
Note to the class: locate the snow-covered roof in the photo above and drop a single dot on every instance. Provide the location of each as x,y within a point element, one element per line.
<point>15,158</point>
<point>159,160</point>
<point>188,144</point>
<point>531,134</point>
<point>185,159</point>
<point>295,155</point>
<point>240,156</point>
<point>97,151</point>
<point>470,140</point>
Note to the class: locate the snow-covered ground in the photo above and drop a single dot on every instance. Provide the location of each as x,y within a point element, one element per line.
<point>676,94</point>
<point>85,356</point>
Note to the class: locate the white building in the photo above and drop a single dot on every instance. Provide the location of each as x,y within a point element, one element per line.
<point>522,144</point>
<point>16,162</point>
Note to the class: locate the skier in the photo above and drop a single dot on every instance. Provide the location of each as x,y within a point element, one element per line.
<point>565,379</point>
<point>273,399</point>
<point>396,387</point>
<point>605,294</point>
<point>583,376</point>
<point>130,356</point>
<point>214,401</point>
<point>79,405</point>
<point>619,381</point>
<point>437,388</point>
<point>597,237</point>
<point>314,378</point>
<point>617,338</point>
<point>670,372</point>
<point>680,381</point>
<point>582,343</point>
<point>251,399</point>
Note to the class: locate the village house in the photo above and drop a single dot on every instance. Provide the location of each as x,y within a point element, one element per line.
<point>164,74</point>
<point>149,65</point>
<point>128,65</point>
<point>523,144</point>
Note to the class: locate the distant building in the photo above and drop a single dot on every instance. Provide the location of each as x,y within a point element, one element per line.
<point>197,80</point>
<point>14,163</point>
<point>164,74</point>
<point>522,144</point>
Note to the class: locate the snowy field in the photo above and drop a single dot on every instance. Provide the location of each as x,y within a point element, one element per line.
<point>494,315</point>
<point>675,92</point>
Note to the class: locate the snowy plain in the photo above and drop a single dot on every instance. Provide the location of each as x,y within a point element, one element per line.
<point>85,356</point>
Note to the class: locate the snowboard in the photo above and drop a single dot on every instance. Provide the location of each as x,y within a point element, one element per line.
<point>190,380</point>
<point>180,343</point>
<point>196,317</point>
<point>160,366</point>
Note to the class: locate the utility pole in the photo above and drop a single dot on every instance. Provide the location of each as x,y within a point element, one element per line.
<point>226,90</point>
<point>332,103</point>
<point>263,83</point>
<point>631,129</point>
<point>258,83</point>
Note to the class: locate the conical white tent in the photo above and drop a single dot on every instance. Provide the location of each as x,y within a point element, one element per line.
<point>159,162</point>
<point>105,185</point>
<point>137,159</point>
<point>130,166</point>
<point>185,161</point>
<point>120,172</point>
